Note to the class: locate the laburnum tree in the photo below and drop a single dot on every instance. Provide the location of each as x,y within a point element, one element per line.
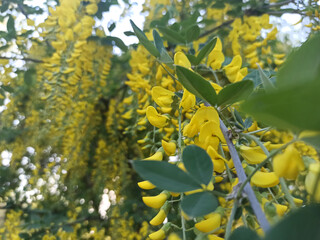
<point>208,128</point>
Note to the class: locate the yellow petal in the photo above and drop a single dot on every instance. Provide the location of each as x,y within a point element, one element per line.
<point>158,235</point>
<point>146,185</point>
<point>162,96</point>
<point>289,163</point>
<point>253,155</point>
<point>209,224</point>
<point>169,147</point>
<point>155,118</point>
<point>158,156</point>
<point>265,179</point>
<point>181,59</point>
<point>155,201</point>
<point>188,100</point>
<point>159,218</point>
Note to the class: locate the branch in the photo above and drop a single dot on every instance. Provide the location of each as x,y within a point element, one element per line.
<point>216,28</point>
<point>242,177</point>
<point>279,4</point>
<point>24,59</point>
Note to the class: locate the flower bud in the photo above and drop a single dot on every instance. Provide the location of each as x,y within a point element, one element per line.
<point>156,201</point>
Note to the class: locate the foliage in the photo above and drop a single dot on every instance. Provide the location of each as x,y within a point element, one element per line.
<point>211,118</point>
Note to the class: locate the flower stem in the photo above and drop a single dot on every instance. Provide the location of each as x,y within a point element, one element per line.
<point>232,215</point>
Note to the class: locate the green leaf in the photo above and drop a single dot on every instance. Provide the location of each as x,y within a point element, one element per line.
<point>198,163</point>
<point>294,108</point>
<point>197,85</point>
<point>235,92</point>
<point>303,223</point>
<point>238,117</point>
<point>29,76</point>
<point>192,59</point>
<point>248,122</point>
<point>267,84</point>
<point>157,40</point>
<point>114,41</point>
<point>206,50</point>
<point>199,204</point>
<point>10,27</point>
<point>244,233</point>
<point>192,33</point>
<point>112,27</point>
<point>165,176</point>
<point>165,58</point>
<point>301,66</point>
<point>129,33</point>
<point>145,41</point>
<point>171,35</point>
<point>7,88</point>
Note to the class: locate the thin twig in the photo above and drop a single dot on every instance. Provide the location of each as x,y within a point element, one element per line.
<point>216,28</point>
<point>279,4</point>
<point>23,59</point>
<point>230,221</point>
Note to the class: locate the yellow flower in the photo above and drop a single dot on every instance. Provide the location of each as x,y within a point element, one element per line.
<point>288,164</point>
<point>265,179</point>
<point>92,8</point>
<point>188,100</point>
<point>272,35</point>
<point>253,155</point>
<point>217,159</point>
<point>158,235</point>
<point>146,185</point>
<point>169,147</point>
<point>209,224</point>
<point>182,60</point>
<point>162,96</point>
<point>128,100</point>
<point>173,236</point>
<point>127,115</point>
<point>233,71</point>
<point>158,156</point>
<point>155,118</point>
<point>208,135</point>
<point>156,201</point>
<point>216,57</point>
<point>280,209</point>
<point>159,218</point>
<point>203,115</point>
<point>311,180</point>
<point>214,237</point>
